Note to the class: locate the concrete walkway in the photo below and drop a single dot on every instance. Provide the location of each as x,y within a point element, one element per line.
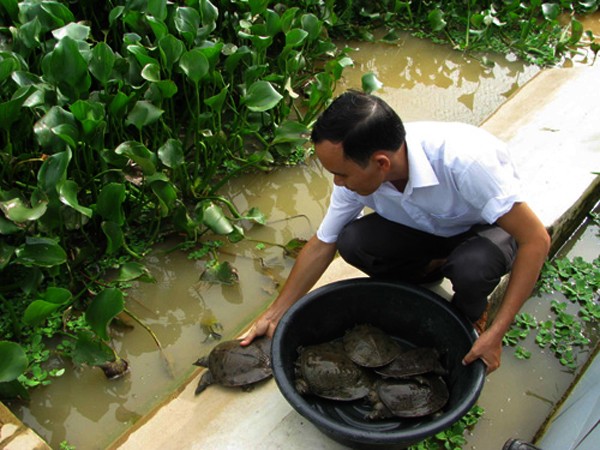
<point>552,126</point>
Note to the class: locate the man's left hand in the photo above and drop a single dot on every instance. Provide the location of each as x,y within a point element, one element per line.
<point>488,348</point>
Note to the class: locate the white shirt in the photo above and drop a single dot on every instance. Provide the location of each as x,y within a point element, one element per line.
<point>459,175</point>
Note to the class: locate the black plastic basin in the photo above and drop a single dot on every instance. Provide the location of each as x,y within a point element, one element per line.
<point>409,313</point>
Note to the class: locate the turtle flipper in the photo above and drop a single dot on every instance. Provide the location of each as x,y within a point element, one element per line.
<point>205,381</point>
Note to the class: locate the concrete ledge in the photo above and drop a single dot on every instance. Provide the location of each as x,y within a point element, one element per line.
<point>16,436</point>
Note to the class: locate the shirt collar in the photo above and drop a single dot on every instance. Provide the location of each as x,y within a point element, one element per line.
<point>420,172</point>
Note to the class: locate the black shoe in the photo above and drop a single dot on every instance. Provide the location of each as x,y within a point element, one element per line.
<point>518,444</point>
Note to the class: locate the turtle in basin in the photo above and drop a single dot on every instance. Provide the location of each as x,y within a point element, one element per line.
<point>369,346</point>
<point>229,364</point>
<point>416,397</point>
<point>326,370</point>
<point>416,361</point>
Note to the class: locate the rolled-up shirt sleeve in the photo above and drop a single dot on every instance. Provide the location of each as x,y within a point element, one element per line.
<point>493,187</point>
<point>343,208</point>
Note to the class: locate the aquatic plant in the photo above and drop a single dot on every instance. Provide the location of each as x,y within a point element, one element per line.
<point>567,333</point>
<point>119,123</point>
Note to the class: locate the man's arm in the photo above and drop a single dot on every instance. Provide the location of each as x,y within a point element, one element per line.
<point>533,245</point>
<point>310,264</point>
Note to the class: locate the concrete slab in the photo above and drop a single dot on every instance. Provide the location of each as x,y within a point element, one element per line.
<point>551,125</point>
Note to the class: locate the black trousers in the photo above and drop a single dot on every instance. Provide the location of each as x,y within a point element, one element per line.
<point>474,261</point>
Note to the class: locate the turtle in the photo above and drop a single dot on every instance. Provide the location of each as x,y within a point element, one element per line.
<point>416,361</point>
<point>229,364</point>
<point>415,397</point>
<point>369,346</point>
<point>325,370</point>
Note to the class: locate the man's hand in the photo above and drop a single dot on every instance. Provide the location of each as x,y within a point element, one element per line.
<point>488,348</point>
<point>261,327</point>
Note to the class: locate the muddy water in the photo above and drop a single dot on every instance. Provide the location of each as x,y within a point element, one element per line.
<point>423,81</point>
<point>519,396</point>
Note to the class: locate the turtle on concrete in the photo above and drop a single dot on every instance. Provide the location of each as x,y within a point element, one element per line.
<point>229,364</point>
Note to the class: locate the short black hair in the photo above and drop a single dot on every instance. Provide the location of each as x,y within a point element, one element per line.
<point>362,123</point>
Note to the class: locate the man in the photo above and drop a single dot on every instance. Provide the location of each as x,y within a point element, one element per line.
<point>446,203</point>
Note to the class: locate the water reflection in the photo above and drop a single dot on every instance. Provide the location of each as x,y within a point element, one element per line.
<point>425,81</point>
<point>421,80</point>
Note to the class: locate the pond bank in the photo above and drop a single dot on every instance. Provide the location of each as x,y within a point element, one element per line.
<point>551,126</point>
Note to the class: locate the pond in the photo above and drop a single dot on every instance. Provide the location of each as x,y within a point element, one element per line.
<point>423,81</point>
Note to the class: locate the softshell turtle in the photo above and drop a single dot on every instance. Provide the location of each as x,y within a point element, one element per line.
<point>326,371</point>
<point>229,364</point>
<point>415,397</point>
<point>369,346</point>
<point>416,361</point>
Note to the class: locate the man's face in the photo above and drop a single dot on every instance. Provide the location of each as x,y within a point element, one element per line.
<point>347,173</point>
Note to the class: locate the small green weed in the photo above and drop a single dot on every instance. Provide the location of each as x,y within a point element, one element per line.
<point>452,438</point>
<point>564,334</point>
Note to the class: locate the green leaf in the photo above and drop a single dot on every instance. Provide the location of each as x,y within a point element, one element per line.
<point>50,130</point>
<point>110,201</point>
<point>68,195</point>
<point>75,31</point>
<point>312,25</point>
<point>576,31</point>
<point>67,68</point>
<point>103,308</point>
<point>53,172</point>
<point>370,83</point>
<point>214,218</point>
<point>551,11</point>
<point>158,9</point>
<point>216,101</point>
<point>220,273</point>
<point>6,253</point>
<point>91,351</point>
<point>171,50</point>
<point>132,271</point>
<point>195,65</point>
<point>187,21</point>
<point>15,210</point>
<point>50,301</point>
<point>436,20</point>
<point>42,252</point>
<point>292,132</point>
<point>90,115</point>
<point>166,194</point>
<point>151,72</point>
<point>261,96</point>
<point>256,215</point>
<point>13,361</point>
<point>102,62</point>
<point>171,153</point>
<point>10,111</point>
<point>114,236</point>
<point>295,37</point>
<point>143,113</point>
<point>139,154</point>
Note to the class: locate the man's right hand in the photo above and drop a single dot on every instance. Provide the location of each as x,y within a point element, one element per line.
<point>261,327</point>
<point>310,264</point>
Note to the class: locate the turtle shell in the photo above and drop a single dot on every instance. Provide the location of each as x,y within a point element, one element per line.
<point>326,370</point>
<point>369,346</point>
<point>416,361</point>
<point>229,364</point>
<point>416,397</point>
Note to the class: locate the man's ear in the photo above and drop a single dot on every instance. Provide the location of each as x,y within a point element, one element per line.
<point>382,160</point>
